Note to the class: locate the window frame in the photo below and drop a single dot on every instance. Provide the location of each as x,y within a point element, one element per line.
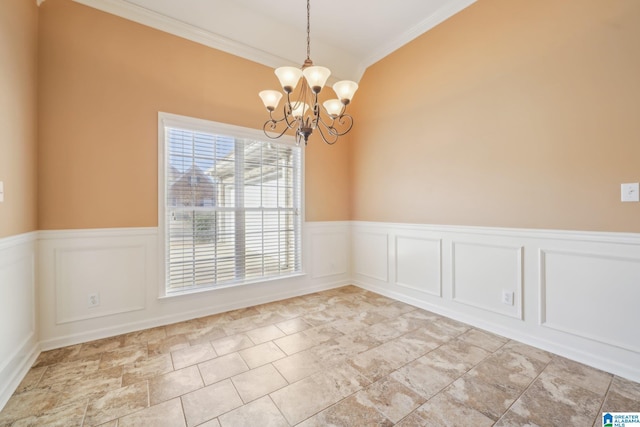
<point>208,126</point>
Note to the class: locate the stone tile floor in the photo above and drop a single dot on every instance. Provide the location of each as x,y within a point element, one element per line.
<point>344,357</point>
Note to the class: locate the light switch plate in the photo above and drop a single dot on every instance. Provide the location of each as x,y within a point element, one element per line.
<point>630,192</point>
<point>1,191</point>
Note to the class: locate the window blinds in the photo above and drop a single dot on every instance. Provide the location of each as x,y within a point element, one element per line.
<point>232,209</point>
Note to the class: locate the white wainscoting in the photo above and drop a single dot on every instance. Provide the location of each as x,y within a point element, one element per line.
<point>19,338</point>
<point>576,294</point>
<point>121,266</point>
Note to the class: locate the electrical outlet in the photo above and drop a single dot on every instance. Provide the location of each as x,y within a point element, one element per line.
<point>507,297</point>
<point>93,300</point>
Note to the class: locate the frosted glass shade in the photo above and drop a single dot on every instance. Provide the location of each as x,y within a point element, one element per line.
<point>333,107</point>
<point>271,98</point>
<point>316,77</point>
<point>289,77</point>
<point>345,90</point>
<point>299,110</point>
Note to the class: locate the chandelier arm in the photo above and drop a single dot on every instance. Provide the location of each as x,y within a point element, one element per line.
<point>271,124</point>
<point>334,137</point>
<point>343,120</point>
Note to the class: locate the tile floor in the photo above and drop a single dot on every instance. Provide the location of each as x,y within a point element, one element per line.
<point>345,357</point>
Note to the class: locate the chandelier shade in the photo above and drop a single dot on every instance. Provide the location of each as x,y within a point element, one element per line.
<point>303,114</point>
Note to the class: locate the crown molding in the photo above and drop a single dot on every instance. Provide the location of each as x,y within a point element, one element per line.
<point>141,15</point>
<point>442,14</point>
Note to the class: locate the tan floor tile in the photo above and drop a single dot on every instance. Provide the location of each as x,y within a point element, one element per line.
<point>455,357</point>
<point>211,423</point>
<point>264,334</point>
<point>100,346</point>
<point>581,375</point>
<point>205,335</point>
<point>182,328</point>
<point>167,345</point>
<point>443,410</point>
<point>144,336</point>
<point>294,343</point>
<point>58,355</point>
<point>258,382</point>
<point>422,378</point>
<point>261,354</point>
<point>382,360</point>
<point>117,403</point>
<point>626,388</point>
<point>146,369</point>
<point>231,344</point>
<point>166,414</point>
<point>174,384</point>
<point>222,368</point>
<point>483,339</point>
<point>31,380</point>
<point>528,351</point>
<point>34,402</point>
<point>297,366</point>
<point>548,397</point>
<point>508,369</point>
<point>352,411</point>
<point>123,356</point>
<point>192,355</point>
<point>64,371</point>
<point>70,415</point>
<point>292,326</point>
<point>318,318</point>
<point>383,331</point>
<point>391,398</point>
<point>210,402</point>
<point>490,400</point>
<point>310,395</point>
<point>261,412</point>
<point>91,385</point>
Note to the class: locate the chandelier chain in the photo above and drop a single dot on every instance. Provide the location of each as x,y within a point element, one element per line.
<point>308,30</point>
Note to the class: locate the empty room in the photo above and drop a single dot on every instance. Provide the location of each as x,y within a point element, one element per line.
<point>319,213</point>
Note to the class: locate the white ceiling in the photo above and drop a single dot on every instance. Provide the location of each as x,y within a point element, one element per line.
<point>346,35</point>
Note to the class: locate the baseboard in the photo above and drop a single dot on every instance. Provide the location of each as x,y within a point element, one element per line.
<point>16,368</point>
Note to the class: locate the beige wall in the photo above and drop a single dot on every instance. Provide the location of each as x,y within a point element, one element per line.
<point>18,70</point>
<point>103,80</point>
<point>510,114</point>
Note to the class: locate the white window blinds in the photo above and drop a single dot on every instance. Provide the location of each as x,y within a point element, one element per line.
<point>232,209</point>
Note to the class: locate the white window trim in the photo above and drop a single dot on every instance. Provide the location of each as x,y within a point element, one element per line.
<point>175,120</point>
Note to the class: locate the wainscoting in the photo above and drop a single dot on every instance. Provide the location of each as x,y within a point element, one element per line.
<point>18,340</point>
<point>576,294</point>
<point>121,267</point>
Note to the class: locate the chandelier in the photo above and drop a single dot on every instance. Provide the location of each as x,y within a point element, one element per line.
<point>303,114</point>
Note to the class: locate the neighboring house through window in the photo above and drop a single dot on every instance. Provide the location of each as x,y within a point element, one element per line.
<point>230,205</point>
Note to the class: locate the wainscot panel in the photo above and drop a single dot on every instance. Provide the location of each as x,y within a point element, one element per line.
<point>19,337</point>
<point>572,293</point>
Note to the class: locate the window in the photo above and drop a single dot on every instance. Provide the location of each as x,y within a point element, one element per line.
<point>230,205</point>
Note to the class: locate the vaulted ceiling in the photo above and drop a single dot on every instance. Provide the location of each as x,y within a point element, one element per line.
<point>346,35</point>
